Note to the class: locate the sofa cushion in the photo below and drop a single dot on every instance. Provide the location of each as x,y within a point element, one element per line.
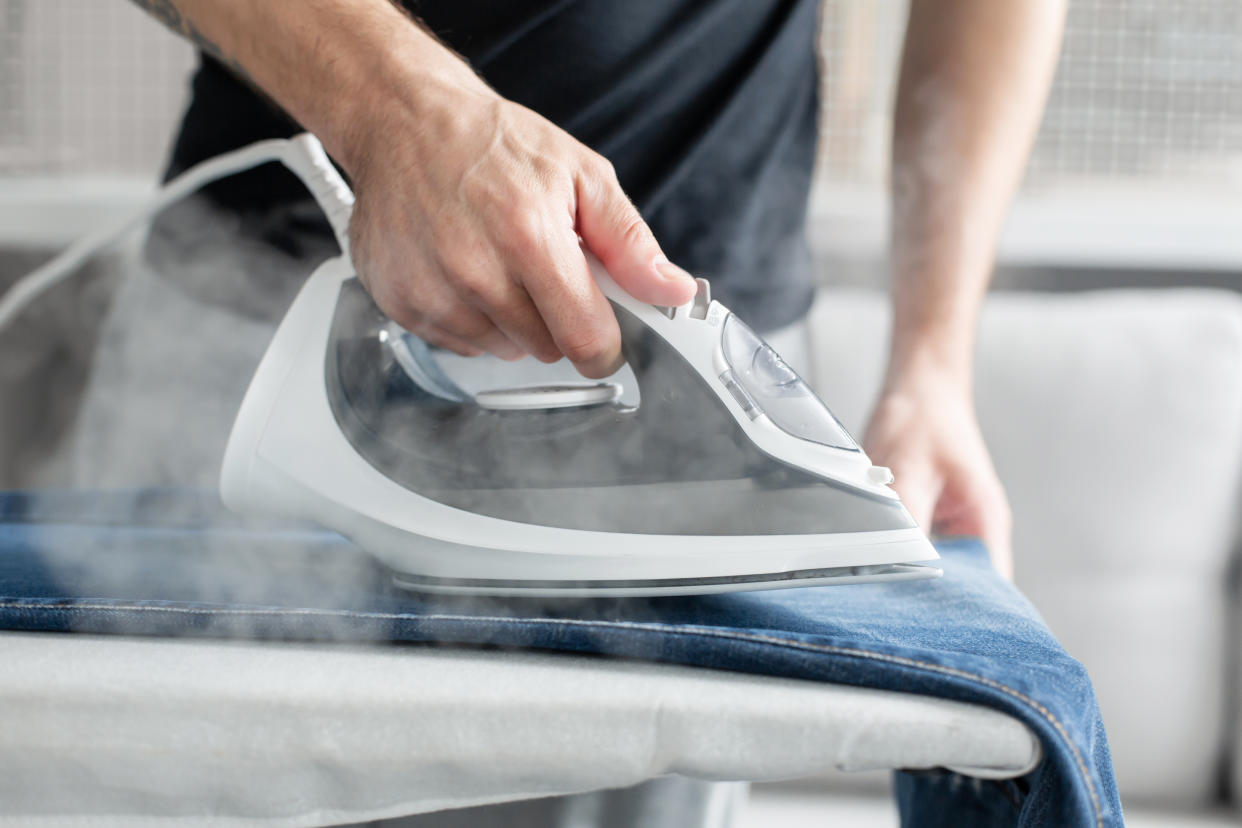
<point>1115,421</point>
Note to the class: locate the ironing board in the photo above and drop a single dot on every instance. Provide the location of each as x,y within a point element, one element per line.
<point>333,723</point>
<point>322,734</point>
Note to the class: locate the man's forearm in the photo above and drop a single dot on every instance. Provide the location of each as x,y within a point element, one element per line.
<point>341,68</point>
<point>973,81</point>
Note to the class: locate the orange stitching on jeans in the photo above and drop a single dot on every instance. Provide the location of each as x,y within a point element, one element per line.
<point>707,631</point>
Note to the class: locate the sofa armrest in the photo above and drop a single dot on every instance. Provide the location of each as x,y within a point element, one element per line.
<point>1115,421</point>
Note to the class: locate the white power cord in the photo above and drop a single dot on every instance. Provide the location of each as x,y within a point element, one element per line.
<point>303,155</point>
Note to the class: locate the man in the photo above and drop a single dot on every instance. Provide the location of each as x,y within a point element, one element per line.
<point>484,139</point>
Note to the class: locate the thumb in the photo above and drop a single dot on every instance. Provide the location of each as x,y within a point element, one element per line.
<point>615,232</point>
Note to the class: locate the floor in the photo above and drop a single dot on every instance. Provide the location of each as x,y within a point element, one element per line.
<point>798,809</point>
<point>769,808</point>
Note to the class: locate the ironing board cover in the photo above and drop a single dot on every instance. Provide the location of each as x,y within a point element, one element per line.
<point>174,563</point>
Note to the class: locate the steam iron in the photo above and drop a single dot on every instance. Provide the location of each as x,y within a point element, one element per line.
<point>729,473</point>
<point>725,474</point>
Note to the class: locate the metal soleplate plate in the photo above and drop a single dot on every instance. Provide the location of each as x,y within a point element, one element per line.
<point>689,586</point>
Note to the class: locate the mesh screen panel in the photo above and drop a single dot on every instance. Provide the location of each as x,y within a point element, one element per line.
<point>1146,89</point>
<point>86,87</point>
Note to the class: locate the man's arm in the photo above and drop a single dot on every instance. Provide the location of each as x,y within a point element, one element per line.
<point>469,207</point>
<point>973,81</point>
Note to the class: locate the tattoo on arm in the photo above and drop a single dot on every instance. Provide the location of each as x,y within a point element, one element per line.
<point>165,12</point>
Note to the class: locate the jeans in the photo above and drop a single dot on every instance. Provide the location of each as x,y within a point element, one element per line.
<point>169,562</point>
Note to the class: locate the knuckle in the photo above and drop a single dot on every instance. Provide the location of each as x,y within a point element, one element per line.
<point>475,286</point>
<point>634,230</point>
<point>583,349</point>
<point>602,168</point>
<point>442,315</point>
<point>462,262</point>
<point>406,284</point>
<point>464,322</point>
<point>470,272</point>
<point>527,233</point>
<point>459,324</point>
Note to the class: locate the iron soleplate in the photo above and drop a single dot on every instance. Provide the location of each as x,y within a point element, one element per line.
<point>670,586</point>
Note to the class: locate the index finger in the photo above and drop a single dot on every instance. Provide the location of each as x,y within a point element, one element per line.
<point>577,313</point>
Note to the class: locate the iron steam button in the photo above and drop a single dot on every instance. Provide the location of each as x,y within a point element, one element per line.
<point>702,299</point>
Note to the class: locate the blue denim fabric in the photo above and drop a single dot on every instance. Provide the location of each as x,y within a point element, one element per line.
<point>172,563</point>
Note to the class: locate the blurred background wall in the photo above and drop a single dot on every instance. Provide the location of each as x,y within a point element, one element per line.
<point>1138,164</point>
<point>1137,170</point>
<point>1148,91</point>
<point>1147,99</point>
<point>86,88</point>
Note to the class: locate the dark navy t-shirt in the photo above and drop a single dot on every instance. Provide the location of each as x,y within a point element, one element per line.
<point>707,109</point>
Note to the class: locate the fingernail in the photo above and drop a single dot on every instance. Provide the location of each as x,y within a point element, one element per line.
<point>669,270</point>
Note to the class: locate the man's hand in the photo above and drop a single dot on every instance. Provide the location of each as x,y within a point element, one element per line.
<point>466,233</point>
<point>469,207</point>
<point>928,435</point>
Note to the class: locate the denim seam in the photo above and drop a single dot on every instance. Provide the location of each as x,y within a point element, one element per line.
<point>569,622</point>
